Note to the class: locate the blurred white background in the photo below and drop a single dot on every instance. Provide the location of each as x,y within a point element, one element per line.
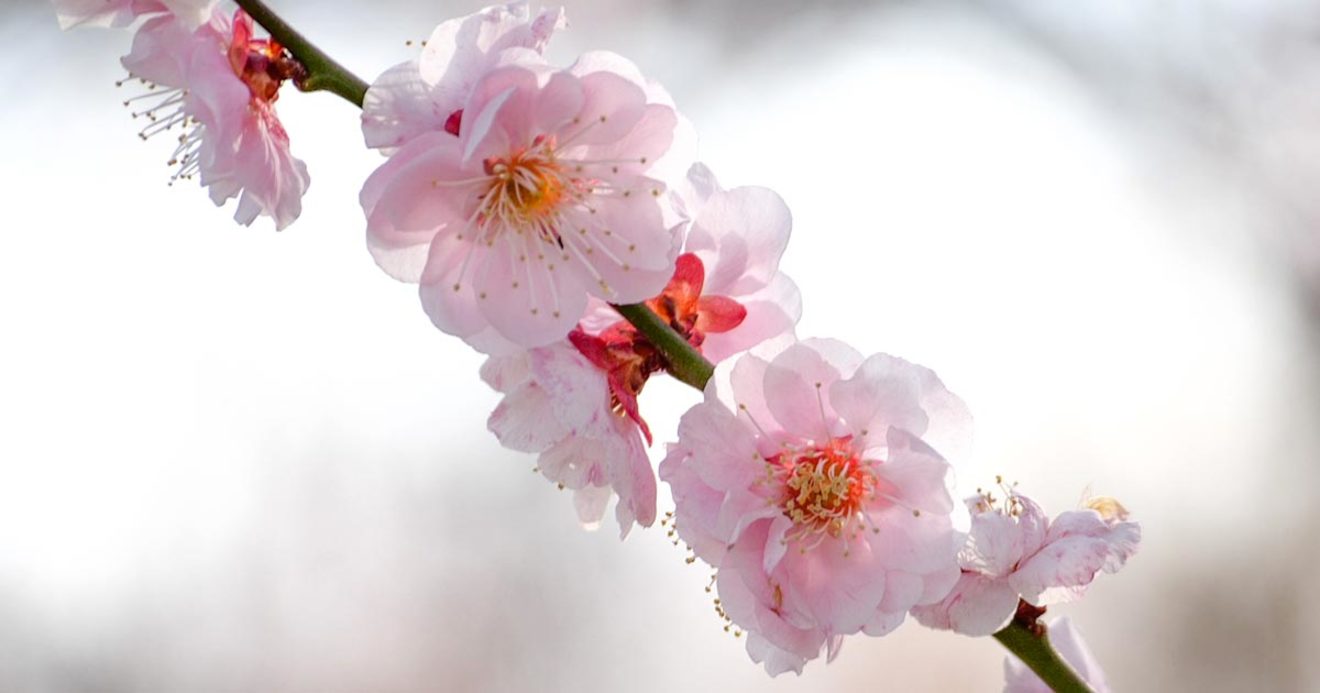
<point>235,460</point>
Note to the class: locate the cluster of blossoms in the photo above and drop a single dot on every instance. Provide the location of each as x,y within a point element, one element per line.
<point>527,201</point>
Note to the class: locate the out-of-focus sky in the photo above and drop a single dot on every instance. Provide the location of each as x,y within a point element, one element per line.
<point>232,459</point>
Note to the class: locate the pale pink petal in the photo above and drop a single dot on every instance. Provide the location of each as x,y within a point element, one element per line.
<point>400,106</point>
<point>96,13</point>
<point>726,446</point>
<point>776,544</point>
<point>746,595</point>
<point>914,476</point>
<point>837,587</point>
<point>408,199</point>
<point>994,545</point>
<point>701,506</point>
<point>532,302</point>
<point>520,420</point>
<point>884,623</point>
<point>419,96</point>
<point>917,544</point>
<point>938,583</point>
<point>741,235</point>
<point>557,399</point>
<point>1079,545</point>
<point>740,509</point>
<point>637,153</point>
<point>162,49</point>
<point>575,462</point>
<point>998,541</point>
<point>613,106</point>
<point>506,372</point>
<point>885,392</point>
<point>902,591</point>
<point>459,50</point>
<point>775,660</point>
<point>978,605</point>
<point>451,304</point>
<point>694,189</point>
<point>271,180</point>
<point>631,477</point>
<point>590,502</point>
<point>571,379</point>
<point>797,386</point>
<point>122,13</point>
<point>500,113</point>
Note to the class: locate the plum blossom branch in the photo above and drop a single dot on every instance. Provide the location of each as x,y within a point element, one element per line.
<point>1024,637</point>
<point>323,73</point>
<point>1028,640</point>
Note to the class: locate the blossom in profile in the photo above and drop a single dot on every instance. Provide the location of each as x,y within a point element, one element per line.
<point>1067,641</point>
<point>427,94</point>
<point>739,236</point>
<point>812,483</point>
<point>1014,552</point>
<point>542,199</point>
<point>122,13</point>
<point>557,404</point>
<point>216,86</point>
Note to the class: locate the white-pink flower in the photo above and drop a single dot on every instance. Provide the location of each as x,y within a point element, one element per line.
<point>557,404</point>
<point>810,482</point>
<point>1015,552</point>
<point>1068,642</point>
<point>427,94</point>
<point>217,86</point>
<point>542,199</point>
<point>122,13</point>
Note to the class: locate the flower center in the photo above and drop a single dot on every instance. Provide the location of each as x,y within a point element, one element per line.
<point>823,489</point>
<point>527,190</point>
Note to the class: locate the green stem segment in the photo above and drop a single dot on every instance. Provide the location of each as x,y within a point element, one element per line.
<point>1031,644</point>
<point>323,73</point>
<point>685,363</point>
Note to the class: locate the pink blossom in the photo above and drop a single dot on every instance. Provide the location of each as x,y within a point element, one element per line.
<point>735,240</point>
<point>1014,552</point>
<point>427,94</point>
<point>1067,641</point>
<point>542,199</point>
<point>122,13</point>
<point>557,404</point>
<point>810,482</point>
<point>218,86</point>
